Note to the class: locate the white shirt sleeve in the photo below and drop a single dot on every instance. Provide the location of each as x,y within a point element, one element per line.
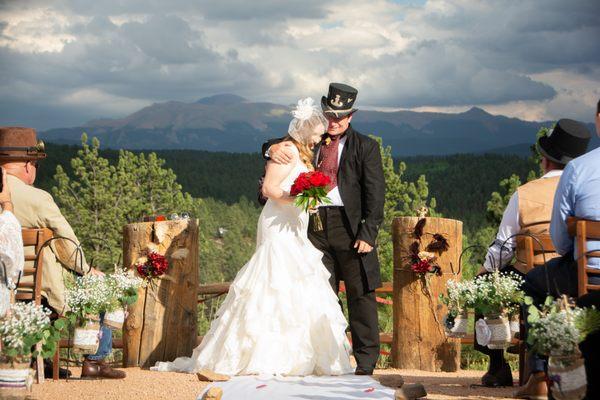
<point>509,226</point>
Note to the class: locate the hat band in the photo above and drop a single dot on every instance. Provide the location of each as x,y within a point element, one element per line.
<point>40,147</point>
<point>331,110</point>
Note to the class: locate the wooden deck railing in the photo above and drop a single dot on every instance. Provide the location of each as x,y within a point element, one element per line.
<point>213,290</point>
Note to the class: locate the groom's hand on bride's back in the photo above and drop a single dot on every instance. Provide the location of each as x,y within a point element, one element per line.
<point>281,152</point>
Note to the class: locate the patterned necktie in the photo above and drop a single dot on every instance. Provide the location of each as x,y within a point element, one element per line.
<point>328,159</point>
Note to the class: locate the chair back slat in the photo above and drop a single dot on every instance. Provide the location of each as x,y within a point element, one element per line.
<point>530,248</point>
<point>33,237</point>
<point>584,230</point>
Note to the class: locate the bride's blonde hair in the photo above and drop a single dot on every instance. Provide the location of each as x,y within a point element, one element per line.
<point>306,153</point>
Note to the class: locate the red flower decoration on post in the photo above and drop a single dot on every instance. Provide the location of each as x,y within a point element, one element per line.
<point>310,189</point>
<point>156,266</point>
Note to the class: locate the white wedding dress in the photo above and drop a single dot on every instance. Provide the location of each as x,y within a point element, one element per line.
<point>281,316</point>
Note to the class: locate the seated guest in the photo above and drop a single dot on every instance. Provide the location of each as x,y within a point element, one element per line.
<point>528,212</point>
<point>20,154</point>
<point>577,194</point>
<point>11,248</point>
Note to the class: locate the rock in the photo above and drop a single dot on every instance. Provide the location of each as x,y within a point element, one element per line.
<point>214,393</point>
<point>206,375</point>
<point>410,391</point>
<point>393,381</point>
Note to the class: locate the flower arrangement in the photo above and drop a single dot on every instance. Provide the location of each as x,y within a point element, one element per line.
<point>498,293</point>
<point>25,325</point>
<point>310,189</point>
<point>125,292</point>
<point>424,261</point>
<point>125,287</point>
<point>89,296</point>
<point>155,266</point>
<point>460,296</point>
<point>558,328</point>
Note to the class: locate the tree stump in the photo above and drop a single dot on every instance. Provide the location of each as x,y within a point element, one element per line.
<point>419,340</point>
<point>162,324</point>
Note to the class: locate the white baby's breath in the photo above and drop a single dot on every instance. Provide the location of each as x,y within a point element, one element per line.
<point>23,319</point>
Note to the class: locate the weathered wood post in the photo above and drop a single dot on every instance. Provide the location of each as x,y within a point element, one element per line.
<point>419,341</point>
<point>162,325</point>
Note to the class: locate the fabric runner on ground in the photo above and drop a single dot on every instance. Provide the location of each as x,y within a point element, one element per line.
<point>310,387</point>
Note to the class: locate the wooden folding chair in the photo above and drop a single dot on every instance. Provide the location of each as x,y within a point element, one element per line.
<point>527,250</point>
<point>30,284</point>
<point>583,231</point>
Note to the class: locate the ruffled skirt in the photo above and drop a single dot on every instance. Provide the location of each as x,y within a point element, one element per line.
<point>280,317</point>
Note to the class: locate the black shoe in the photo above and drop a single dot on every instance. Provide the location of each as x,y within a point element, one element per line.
<point>500,377</point>
<point>63,373</point>
<point>362,371</point>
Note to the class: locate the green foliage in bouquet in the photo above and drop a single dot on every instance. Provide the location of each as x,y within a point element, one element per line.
<point>88,296</point>
<point>460,296</point>
<point>498,293</point>
<point>558,327</point>
<point>125,288</point>
<point>25,325</point>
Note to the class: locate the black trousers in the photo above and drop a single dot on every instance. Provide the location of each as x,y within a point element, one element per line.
<point>336,241</point>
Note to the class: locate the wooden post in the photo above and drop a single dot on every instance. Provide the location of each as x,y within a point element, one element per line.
<point>162,325</point>
<point>419,341</point>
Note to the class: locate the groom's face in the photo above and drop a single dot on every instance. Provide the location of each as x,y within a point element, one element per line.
<point>337,126</point>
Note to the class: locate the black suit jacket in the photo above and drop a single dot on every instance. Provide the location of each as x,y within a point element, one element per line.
<point>362,188</point>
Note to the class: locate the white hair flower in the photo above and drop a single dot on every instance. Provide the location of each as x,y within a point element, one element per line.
<point>304,109</point>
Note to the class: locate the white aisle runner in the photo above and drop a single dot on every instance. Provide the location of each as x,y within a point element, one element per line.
<point>297,388</point>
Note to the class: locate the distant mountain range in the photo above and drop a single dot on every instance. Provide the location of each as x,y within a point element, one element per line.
<point>231,123</point>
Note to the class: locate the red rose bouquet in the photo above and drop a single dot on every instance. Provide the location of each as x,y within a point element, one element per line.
<point>310,189</point>
<point>155,266</point>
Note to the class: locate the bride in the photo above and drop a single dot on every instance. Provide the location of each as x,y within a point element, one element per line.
<point>280,315</point>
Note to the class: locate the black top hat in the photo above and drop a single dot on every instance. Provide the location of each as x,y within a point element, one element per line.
<point>339,100</point>
<point>568,140</point>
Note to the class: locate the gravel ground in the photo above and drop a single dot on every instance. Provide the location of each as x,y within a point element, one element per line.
<point>150,385</point>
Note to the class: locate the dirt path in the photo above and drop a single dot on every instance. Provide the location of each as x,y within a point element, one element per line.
<point>149,385</point>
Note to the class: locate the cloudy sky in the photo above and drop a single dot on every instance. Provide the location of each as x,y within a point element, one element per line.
<point>65,62</point>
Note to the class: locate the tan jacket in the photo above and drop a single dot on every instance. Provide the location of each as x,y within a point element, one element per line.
<point>536,199</point>
<point>35,208</point>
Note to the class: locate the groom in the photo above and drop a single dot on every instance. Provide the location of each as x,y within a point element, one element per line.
<point>351,222</point>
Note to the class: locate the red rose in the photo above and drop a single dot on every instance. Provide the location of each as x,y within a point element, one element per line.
<point>318,179</point>
<point>421,267</point>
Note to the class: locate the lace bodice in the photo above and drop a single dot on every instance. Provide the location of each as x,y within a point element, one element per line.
<point>11,257</point>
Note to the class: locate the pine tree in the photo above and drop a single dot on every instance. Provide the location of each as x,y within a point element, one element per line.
<point>101,198</point>
<point>94,202</point>
<point>402,198</point>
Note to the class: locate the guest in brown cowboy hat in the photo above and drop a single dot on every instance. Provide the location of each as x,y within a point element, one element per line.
<point>20,154</point>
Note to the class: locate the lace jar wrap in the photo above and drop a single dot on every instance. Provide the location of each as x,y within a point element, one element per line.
<point>500,334</point>
<point>515,325</point>
<point>86,338</point>
<point>567,374</point>
<point>459,326</point>
<point>115,319</point>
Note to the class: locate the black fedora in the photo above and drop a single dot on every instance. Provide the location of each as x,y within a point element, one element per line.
<point>568,140</point>
<point>339,101</point>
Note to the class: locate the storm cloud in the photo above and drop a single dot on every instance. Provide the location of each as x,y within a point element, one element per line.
<point>65,62</point>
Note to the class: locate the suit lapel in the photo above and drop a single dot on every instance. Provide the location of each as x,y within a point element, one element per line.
<point>316,154</point>
<point>349,142</point>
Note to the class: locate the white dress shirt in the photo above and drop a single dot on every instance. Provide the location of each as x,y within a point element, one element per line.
<point>509,226</point>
